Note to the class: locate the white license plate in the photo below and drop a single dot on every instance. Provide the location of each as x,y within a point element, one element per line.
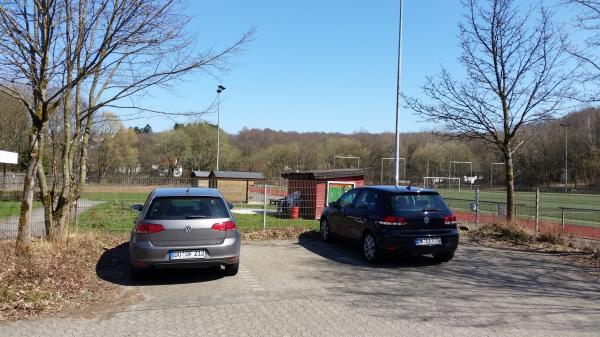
<point>187,254</point>
<point>428,241</point>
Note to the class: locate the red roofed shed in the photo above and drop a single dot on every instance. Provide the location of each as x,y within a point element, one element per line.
<point>320,187</point>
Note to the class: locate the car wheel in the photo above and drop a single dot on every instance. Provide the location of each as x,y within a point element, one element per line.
<point>324,230</point>
<point>443,257</point>
<point>232,269</point>
<point>370,249</point>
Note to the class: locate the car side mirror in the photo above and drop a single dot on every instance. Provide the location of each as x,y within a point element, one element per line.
<point>230,205</point>
<point>333,204</point>
<point>137,207</point>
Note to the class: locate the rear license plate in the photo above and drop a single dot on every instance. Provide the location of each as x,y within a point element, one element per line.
<point>428,241</point>
<point>187,254</point>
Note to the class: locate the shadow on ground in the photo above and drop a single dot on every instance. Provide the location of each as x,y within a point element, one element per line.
<point>113,267</point>
<point>348,253</point>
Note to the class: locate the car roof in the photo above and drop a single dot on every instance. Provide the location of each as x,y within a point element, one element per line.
<point>185,192</point>
<point>399,189</point>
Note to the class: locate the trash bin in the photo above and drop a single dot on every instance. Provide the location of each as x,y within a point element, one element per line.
<point>295,212</point>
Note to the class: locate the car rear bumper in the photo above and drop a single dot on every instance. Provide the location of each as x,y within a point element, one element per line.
<point>143,254</point>
<point>400,242</point>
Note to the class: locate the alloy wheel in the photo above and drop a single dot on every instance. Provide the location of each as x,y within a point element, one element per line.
<point>324,230</point>
<point>369,247</point>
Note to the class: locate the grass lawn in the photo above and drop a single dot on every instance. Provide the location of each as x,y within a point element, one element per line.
<point>255,221</point>
<point>550,204</point>
<point>115,215</point>
<point>8,208</point>
<point>111,215</point>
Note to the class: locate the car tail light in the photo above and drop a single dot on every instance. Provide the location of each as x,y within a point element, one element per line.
<point>394,221</point>
<point>148,228</point>
<point>224,226</point>
<point>450,220</point>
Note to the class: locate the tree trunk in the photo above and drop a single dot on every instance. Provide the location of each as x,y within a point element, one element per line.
<point>510,186</point>
<point>46,198</point>
<point>23,243</point>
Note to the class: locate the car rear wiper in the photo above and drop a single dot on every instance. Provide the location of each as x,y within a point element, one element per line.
<point>430,210</point>
<point>195,216</point>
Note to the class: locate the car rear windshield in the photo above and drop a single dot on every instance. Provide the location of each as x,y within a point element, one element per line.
<point>177,208</point>
<point>417,202</point>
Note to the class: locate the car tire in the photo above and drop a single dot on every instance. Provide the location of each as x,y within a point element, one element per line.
<point>370,249</point>
<point>232,269</point>
<point>443,257</point>
<point>324,232</point>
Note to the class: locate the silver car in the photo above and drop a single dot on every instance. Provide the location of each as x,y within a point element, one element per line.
<point>184,227</point>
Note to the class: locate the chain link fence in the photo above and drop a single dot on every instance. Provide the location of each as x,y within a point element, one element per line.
<point>554,213</point>
<point>105,205</point>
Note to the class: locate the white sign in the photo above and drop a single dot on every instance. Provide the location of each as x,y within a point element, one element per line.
<point>9,157</point>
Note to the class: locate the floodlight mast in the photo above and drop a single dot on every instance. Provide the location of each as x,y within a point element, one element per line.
<point>220,89</point>
<point>397,147</point>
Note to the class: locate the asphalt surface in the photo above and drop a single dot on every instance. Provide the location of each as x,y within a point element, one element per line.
<point>310,288</point>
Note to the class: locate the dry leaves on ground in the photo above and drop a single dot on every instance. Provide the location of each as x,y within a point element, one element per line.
<point>54,276</point>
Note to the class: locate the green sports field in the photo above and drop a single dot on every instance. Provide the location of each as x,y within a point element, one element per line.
<point>582,209</point>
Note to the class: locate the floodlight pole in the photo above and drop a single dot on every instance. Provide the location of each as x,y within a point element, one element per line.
<point>397,147</point>
<point>220,89</point>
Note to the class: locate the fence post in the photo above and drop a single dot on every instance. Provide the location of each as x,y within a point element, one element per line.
<point>562,220</point>
<point>265,209</point>
<point>477,207</point>
<point>537,211</point>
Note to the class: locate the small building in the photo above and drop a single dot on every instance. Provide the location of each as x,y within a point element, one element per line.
<point>319,187</point>
<point>234,185</point>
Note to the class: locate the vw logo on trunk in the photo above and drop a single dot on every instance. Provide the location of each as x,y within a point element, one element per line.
<point>188,228</point>
<point>426,220</point>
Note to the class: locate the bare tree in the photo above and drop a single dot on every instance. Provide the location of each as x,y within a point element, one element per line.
<point>514,63</point>
<point>78,57</point>
<point>588,55</point>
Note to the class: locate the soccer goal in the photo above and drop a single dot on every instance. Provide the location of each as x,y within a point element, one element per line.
<point>441,182</point>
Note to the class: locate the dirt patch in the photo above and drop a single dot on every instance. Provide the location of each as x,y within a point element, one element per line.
<point>56,277</point>
<point>515,237</point>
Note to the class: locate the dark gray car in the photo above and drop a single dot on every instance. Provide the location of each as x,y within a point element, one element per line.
<point>184,227</point>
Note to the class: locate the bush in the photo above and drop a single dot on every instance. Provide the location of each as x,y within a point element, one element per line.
<point>550,238</point>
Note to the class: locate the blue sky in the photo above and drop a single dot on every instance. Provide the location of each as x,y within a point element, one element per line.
<point>315,65</point>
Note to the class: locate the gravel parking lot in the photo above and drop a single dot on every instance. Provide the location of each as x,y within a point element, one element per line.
<point>309,288</point>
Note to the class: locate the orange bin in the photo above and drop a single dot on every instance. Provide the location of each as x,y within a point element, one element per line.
<point>295,212</point>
